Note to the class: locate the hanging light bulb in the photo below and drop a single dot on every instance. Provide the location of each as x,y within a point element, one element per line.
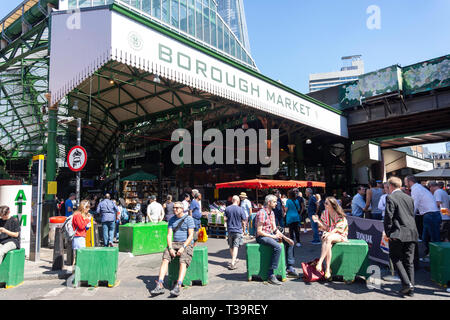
<point>156,79</point>
<point>308,141</point>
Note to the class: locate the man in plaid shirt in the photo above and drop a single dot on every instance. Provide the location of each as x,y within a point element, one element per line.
<point>268,234</point>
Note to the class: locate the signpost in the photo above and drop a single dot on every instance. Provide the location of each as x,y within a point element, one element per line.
<point>37,173</point>
<point>77,159</point>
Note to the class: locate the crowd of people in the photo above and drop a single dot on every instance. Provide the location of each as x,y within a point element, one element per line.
<point>410,213</point>
<point>431,203</point>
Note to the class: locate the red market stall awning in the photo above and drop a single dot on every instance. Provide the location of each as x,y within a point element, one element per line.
<point>268,184</point>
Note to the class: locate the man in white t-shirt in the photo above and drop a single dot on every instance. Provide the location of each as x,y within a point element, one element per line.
<point>425,204</point>
<point>186,203</point>
<point>442,201</point>
<point>155,211</point>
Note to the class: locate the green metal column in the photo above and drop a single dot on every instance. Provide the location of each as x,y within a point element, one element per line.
<point>50,170</point>
<point>348,166</point>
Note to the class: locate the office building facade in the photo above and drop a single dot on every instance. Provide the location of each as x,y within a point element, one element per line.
<point>353,67</point>
<point>233,13</point>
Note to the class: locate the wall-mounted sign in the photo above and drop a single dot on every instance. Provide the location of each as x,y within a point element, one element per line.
<point>77,158</point>
<point>132,155</point>
<point>18,199</point>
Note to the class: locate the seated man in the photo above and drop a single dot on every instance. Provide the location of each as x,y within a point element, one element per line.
<point>268,234</point>
<point>9,232</point>
<point>181,226</point>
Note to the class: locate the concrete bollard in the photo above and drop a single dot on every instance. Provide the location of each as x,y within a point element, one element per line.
<point>96,236</point>
<point>58,250</point>
<point>69,253</point>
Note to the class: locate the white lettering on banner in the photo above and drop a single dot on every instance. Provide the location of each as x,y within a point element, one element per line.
<point>366,237</point>
<point>180,62</point>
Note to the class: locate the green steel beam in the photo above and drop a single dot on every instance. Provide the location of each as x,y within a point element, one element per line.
<point>12,106</point>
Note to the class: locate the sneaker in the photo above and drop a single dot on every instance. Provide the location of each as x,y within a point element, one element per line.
<point>232,267</point>
<point>175,291</point>
<point>158,290</point>
<point>273,280</point>
<point>425,259</point>
<point>298,245</point>
<point>316,242</point>
<point>291,273</point>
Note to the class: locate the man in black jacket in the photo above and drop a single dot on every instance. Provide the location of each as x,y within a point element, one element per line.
<point>400,227</point>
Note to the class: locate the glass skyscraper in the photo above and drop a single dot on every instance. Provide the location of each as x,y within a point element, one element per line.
<point>232,11</point>
<point>198,20</point>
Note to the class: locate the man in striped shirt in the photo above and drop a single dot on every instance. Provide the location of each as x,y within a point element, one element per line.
<point>268,234</point>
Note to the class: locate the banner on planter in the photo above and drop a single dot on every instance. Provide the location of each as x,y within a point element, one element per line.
<point>371,231</point>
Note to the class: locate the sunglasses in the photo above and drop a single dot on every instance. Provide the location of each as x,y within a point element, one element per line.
<point>178,207</point>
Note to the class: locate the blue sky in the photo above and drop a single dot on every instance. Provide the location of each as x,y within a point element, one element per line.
<point>292,38</point>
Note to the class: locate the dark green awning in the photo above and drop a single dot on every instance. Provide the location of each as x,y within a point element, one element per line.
<point>140,176</point>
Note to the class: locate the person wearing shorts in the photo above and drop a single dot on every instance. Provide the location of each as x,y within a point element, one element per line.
<point>181,227</point>
<point>235,217</point>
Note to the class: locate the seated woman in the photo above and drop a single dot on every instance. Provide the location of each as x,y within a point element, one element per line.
<point>335,229</point>
<point>9,232</point>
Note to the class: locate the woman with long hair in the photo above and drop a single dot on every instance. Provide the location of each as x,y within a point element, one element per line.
<point>335,229</point>
<point>81,222</point>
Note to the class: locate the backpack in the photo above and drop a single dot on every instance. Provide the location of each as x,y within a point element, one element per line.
<point>124,217</point>
<point>254,225</point>
<point>67,227</point>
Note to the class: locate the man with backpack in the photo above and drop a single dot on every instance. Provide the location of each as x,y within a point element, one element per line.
<point>181,230</point>
<point>108,211</point>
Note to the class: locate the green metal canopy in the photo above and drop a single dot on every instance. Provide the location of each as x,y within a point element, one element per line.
<point>140,176</point>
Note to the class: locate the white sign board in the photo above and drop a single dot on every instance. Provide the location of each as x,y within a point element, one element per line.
<point>418,164</point>
<point>107,35</point>
<point>18,199</point>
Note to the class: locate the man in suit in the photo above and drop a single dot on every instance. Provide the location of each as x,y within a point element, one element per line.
<point>400,227</point>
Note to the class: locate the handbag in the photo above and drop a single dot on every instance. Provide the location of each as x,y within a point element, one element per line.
<point>310,274</point>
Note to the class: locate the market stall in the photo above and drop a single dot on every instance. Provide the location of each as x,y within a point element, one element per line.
<point>261,184</point>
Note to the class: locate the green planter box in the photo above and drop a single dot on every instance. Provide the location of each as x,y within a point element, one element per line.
<point>197,271</point>
<point>258,262</point>
<point>143,238</point>
<point>97,264</point>
<point>350,259</point>
<point>440,262</point>
<point>12,268</point>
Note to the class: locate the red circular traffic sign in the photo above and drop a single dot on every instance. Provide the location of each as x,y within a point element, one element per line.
<point>77,158</point>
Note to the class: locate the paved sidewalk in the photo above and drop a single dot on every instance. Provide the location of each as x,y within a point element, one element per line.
<point>42,269</point>
<point>137,275</point>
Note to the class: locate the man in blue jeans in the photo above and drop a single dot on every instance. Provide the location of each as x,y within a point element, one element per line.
<point>427,207</point>
<point>108,211</point>
<point>312,208</point>
<point>268,234</point>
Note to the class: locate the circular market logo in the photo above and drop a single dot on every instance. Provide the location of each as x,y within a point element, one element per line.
<point>135,41</point>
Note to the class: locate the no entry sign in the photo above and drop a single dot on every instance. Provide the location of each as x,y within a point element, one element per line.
<point>77,158</point>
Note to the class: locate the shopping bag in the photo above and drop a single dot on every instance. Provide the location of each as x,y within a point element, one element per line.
<point>202,235</point>
<point>310,274</point>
